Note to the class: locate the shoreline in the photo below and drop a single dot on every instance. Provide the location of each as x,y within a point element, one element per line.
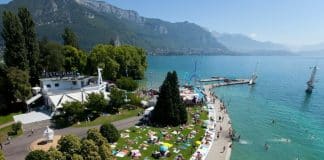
<point>222,128</point>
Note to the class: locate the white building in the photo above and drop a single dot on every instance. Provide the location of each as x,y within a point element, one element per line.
<point>58,90</point>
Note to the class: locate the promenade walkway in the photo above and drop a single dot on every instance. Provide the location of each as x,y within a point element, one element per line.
<point>217,151</point>
<point>19,147</point>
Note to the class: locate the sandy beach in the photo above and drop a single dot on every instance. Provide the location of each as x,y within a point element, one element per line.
<point>222,128</point>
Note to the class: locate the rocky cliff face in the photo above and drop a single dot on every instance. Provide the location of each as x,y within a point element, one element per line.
<point>104,7</point>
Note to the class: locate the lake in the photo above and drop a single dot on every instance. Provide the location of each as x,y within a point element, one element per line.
<point>279,95</point>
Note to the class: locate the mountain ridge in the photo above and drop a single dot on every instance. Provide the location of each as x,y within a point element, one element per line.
<point>98,22</point>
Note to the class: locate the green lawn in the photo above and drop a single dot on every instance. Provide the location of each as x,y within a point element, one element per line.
<point>7,118</point>
<point>4,132</point>
<point>139,135</point>
<point>111,118</point>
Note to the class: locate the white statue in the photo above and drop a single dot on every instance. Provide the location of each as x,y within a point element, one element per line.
<point>48,134</point>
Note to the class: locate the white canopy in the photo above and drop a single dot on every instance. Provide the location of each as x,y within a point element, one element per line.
<point>31,117</point>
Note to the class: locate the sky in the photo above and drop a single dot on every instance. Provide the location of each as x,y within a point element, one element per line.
<point>290,22</point>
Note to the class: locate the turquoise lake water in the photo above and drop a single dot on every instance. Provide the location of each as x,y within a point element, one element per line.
<point>298,132</point>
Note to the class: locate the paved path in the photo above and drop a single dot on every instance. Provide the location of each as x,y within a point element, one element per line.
<point>19,147</point>
<point>7,124</point>
<point>217,149</point>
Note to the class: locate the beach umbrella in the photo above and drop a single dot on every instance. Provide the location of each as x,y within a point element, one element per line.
<point>167,144</point>
<point>198,142</point>
<point>163,148</point>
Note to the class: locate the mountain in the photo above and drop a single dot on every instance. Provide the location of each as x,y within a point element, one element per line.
<point>246,45</point>
<point>99,22</point>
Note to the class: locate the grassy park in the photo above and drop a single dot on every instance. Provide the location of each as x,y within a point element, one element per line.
<point>125,113</point>
<point>179,140</point>
<point>7,118</point>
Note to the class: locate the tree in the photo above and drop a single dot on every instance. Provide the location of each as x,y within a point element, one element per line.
<point>96,136</point>
<point>105,152</point>
<point>96,103</point>
<point>117,99</point>
<point>37,155</point>
<point>54,154</point>
<point>1,156</point>
<point>134,99</point>
<point>52,58</point>
<point>31,44</point>
<point>76,157</point>
<point>75,59</point>
<point>89,150</point>
<point>15,54</point>
<point>73,111</point>
<point>169,109</point>
<point>69,145</point>
<point>70,38</point>
<point>127,83</point>
<point>110,132</point>
<point>18,84</point>
<point>118,61</point>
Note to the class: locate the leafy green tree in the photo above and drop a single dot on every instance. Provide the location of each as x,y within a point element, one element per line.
<point>69,145</point>
<point>169,109</point>
<point>127,83</point>
<point>105,152</point>
<point>2,156</point>
<point>51,57</point>
<point>134,99</point>
<point>96,103</point>
<point>89,150</point>
<point>31,43</point>
<point>15,54</point>
<point>54,154</point>
<point>102,56</point>
<point>117,99</point>
<point>70,38</point>
<point>96,136</point>
<point>18,84</point>
<point>76,157</point>
<point>75,59</point>
<point>37,155</point>
<point>118,61</point>
<point>73,111</point>
<point>110,132</point>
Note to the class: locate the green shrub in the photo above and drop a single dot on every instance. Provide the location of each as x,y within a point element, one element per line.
<point>134,99</point>
<point>15,128</point>
<point>127,84</point>
<point>1,156</point>
<point>110,132</point>
<point>37,155</point>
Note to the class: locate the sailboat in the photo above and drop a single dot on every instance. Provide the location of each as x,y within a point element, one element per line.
<point>254,76</point>
<point>311,81</point>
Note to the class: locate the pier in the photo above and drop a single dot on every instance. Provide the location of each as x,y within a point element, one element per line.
<point>221,147</point>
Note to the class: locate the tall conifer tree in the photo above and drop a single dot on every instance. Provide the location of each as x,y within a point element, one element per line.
<point>31,43</point>
<point>169,109</point>
<point>15,54</point>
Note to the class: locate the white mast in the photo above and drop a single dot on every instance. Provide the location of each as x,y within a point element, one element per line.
<point>99,76</point>
<point>310,83</point>
<point>254,76</point>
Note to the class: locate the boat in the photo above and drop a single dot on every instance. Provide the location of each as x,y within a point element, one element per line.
<point>311,81</point>
<point>254,76</point>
